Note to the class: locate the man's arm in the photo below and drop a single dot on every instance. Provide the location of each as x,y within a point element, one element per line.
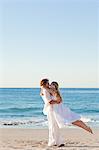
<point>57,101</point>
<point>47,96</point>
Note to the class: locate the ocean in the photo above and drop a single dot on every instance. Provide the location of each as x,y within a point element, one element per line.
<point>22,107</point>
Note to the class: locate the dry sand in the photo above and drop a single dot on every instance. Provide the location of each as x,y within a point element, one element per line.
<point>36,139</point>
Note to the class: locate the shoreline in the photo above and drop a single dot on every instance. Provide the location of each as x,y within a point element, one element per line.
<point>43,127</point>
<point>36,139</point>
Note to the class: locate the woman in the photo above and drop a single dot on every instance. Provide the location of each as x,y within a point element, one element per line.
<point>62,113</point>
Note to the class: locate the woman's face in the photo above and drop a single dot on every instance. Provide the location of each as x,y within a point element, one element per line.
<point>52,86</point>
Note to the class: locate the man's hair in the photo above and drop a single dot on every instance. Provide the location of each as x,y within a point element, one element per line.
<point>43,82</point>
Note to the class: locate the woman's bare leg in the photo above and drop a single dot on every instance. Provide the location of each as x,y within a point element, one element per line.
<point>81,124</point>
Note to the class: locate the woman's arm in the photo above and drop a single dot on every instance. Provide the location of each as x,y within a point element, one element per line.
<point>59,99</point>
<point>52,92</point>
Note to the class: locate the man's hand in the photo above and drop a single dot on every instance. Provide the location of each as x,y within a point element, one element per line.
<point>54,102</point>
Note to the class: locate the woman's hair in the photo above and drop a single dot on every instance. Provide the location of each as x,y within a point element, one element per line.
<point>55,84</point>
<point>57,89</point>
<point>43,82</point>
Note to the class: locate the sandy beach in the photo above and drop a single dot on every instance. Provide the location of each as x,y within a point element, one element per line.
<point>36,139</point>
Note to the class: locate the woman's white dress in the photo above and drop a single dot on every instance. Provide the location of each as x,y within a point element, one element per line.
<point>64,115</point>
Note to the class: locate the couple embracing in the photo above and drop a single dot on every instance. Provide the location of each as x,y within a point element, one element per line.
<point>58,114</point>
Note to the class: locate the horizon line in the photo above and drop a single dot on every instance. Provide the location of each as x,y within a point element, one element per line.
<point>60,87</point>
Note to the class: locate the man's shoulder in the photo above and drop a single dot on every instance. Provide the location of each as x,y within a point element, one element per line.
<point>45,91</point>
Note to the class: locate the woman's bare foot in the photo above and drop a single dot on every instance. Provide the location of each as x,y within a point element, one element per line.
<point>90,130</point>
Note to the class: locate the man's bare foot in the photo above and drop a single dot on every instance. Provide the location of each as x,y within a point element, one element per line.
<point>61,145</point>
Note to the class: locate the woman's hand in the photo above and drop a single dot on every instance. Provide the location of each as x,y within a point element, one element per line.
<point>59,101</point>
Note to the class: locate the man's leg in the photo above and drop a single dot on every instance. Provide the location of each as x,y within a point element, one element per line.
<point>56,131</point>
<point>51,140</point>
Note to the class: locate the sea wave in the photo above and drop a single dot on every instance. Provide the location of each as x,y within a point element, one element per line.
<point>20,121</point>
<point>87,119</point>
<point>38,121</point>
<point>17,109</point>
<point>80,90</point>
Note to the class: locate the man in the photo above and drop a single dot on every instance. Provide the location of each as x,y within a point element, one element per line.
<point>54,135</point>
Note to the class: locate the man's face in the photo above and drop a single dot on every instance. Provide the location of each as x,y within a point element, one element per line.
<point>47,85</point>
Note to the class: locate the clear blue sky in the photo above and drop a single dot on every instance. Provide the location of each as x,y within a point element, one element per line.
<point>56,39</point>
